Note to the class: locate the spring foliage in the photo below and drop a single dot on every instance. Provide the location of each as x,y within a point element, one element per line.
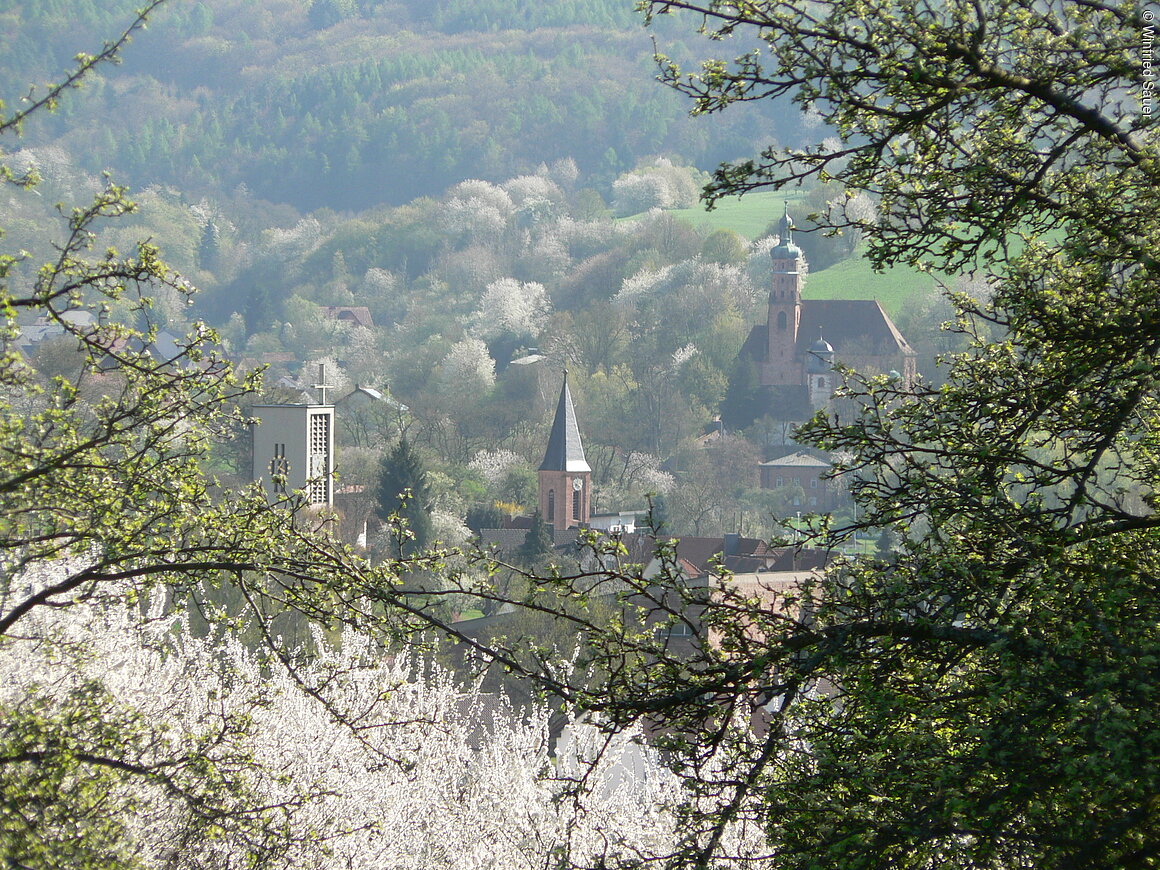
<point>988,693</point>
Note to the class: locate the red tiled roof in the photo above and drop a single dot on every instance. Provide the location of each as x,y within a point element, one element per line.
<point>359,315</point>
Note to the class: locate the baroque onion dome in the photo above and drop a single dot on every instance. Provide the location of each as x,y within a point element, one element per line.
<point>820,357</point>
<point>785,249</point>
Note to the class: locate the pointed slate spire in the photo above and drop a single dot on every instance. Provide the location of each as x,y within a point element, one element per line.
<point>565,451</point>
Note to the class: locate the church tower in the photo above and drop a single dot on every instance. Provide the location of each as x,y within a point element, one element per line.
<point>565,478</point>
<point>820,373</point>
<point>785,308</point>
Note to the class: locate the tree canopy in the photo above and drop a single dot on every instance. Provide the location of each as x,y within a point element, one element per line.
<point>987,697</point>
<point>403,491</point>
<point>106,503</point>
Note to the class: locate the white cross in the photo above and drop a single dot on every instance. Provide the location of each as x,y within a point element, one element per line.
<point>322,386</point>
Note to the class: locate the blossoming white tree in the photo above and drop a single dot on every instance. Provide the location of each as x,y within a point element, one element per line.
<point>511,307</point>
<point>360,757</point>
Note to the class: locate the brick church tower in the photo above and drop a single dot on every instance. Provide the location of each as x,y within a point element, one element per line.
<point>565,477</point>
<point>782,363</point>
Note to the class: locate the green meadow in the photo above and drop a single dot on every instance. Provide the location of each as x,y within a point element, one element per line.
<point>748,215</point>
<point>854,279</point>
<point>752,214</point>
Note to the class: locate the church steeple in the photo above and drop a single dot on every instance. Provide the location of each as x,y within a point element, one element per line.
<point>786,251</point>
<point>565,476</point>
<point>565,450</point>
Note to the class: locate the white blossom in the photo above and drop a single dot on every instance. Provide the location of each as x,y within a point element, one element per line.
<point>448,528</point>
<point>292,243</point>
<point>326,367</point>
<point>436,774</point>
<point>682,355</point>
<point>585,238</point>
<point>642,473</point>
<point>661,185</point>
<point>467,373</point>
<point>646,282</point>
<point>472,219</point>
<point>511,307</point>
<point>477,210</point>
<point>525,188</point>
<point>494,464</point>
<point>689,280</point>
<point>484,194</point>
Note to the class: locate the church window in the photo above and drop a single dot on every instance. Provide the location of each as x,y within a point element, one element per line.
<point>821,383</point>
<point>781,321</point>
<point>551,505</point>
<point>576,496</point>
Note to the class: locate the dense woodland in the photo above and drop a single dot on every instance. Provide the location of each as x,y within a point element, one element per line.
<point>348,105</point>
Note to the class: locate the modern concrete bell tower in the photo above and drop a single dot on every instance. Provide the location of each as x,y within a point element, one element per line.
<point>293,448</point>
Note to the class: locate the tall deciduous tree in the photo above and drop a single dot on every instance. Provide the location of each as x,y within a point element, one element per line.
<point>104,501</point>
<point>987,697</point>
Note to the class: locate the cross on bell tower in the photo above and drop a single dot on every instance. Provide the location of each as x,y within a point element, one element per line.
<point>322,386</point>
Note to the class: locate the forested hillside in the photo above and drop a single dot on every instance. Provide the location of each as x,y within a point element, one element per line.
<point>348,104</point>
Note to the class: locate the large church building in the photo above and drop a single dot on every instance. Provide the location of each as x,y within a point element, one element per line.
<point>789,359</point>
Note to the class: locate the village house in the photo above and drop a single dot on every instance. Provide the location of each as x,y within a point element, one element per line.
<point>803,478</point>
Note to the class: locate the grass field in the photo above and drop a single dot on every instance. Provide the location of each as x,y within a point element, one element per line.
<point>748,215</point>
<point>849,279</point>
<point>854,279</point>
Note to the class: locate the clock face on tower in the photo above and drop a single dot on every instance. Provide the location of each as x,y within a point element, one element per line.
<point>577,484</point>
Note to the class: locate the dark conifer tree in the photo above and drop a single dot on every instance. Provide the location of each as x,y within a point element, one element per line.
<point>209,248</point>
<point>659,520</point>
<point>404,491</point>
<point>537,546</point>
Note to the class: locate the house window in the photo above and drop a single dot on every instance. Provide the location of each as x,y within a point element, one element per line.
<point>779,482</point>
<point>814,483</point>
<point>813,502</point>
<point>551,505</point>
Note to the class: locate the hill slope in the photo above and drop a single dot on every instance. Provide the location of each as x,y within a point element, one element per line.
<point>346,104</point>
